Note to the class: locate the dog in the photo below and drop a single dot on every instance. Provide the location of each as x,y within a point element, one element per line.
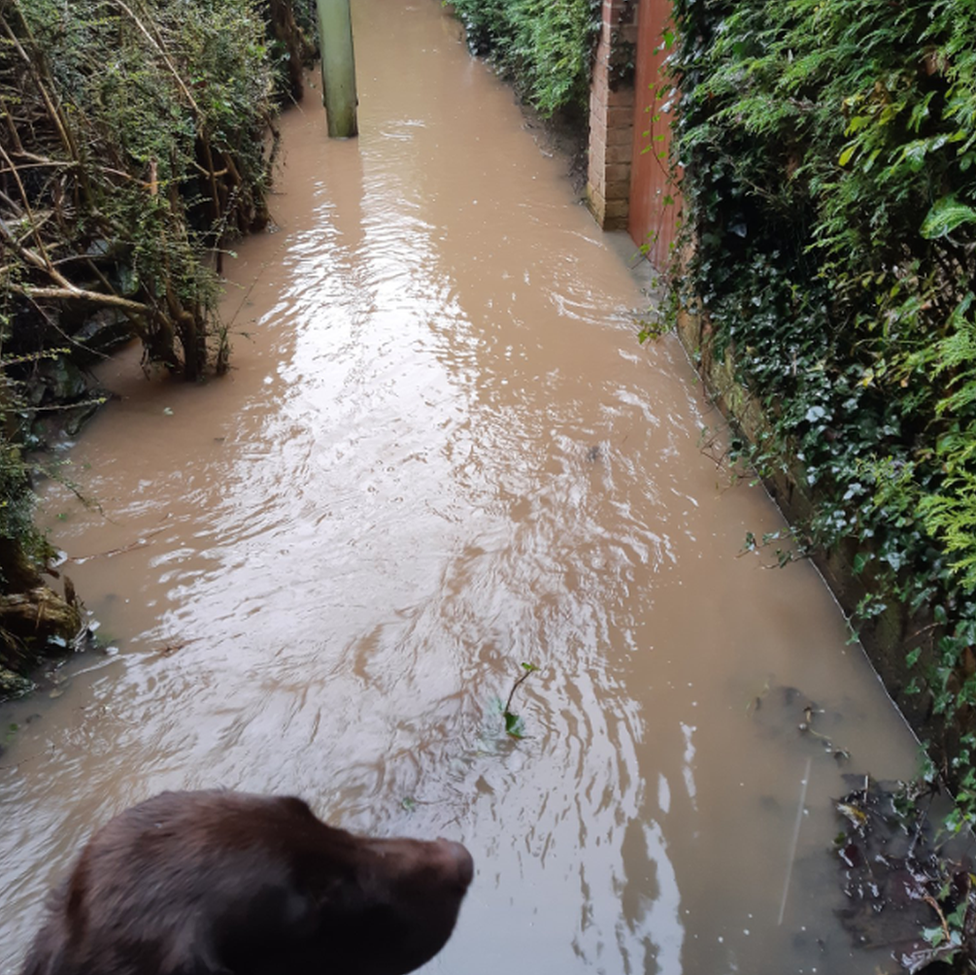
<point>228,883</point>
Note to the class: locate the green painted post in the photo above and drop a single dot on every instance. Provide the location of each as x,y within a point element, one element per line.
<point>338,68</point>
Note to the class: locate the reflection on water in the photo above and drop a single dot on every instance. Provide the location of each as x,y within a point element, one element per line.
<point>442,453</point>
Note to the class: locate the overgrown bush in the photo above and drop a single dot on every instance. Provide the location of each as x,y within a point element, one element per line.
<point>133,144</point>
<point>546,45</point>
<point>133,141</point>
<point>828,149</point>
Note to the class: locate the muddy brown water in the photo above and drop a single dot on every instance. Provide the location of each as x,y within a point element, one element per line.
<point>442,453</point>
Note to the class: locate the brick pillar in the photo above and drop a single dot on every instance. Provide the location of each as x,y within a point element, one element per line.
<point>612,116</point>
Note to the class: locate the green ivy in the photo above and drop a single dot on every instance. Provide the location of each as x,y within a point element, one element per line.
<point>828,150</point>
<point>546,45</point>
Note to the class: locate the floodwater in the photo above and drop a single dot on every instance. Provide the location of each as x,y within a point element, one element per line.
<point>441,454</point>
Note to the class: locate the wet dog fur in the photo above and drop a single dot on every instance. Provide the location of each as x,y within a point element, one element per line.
<point>227,883</point>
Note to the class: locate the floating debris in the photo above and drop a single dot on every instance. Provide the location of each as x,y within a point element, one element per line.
<point>782,709</point>
<point>904,893</point>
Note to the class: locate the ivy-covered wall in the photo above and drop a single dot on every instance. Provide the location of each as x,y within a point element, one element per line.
<point>828,149</point>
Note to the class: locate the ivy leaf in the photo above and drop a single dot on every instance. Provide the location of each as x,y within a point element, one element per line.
<point>957,918</point>
<point>514,727</point>
<point>945,216</point>
<point>815,413</point>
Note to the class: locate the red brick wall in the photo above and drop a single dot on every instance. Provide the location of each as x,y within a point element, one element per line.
<point>652,219</point>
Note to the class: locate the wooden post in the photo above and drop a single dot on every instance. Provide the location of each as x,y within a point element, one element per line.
<point>338,68</point>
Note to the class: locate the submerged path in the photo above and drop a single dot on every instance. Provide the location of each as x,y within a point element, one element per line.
<point>442,453</point>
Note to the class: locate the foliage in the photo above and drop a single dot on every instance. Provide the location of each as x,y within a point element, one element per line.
<point>132,144</point>
<point>17,505</point>
<point>33,619</point>
<point>546,45</point>
<point>828,148</point>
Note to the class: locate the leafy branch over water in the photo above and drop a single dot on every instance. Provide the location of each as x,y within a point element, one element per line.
<point>133,145</point>
<point>514,726</point>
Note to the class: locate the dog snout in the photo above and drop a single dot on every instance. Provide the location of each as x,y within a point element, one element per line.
<point>459,862</point>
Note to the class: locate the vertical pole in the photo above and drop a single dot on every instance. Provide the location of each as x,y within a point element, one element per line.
<point>338,68</point>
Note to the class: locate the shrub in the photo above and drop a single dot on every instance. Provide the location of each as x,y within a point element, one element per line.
<point>132,146</point>
<point>546,45</point>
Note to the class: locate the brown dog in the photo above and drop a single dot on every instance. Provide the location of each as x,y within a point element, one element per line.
<point>225,883</point>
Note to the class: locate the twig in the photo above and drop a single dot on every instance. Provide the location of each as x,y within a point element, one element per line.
<point>169,64</point>
<point>515,686</point>
<point>138,543</point>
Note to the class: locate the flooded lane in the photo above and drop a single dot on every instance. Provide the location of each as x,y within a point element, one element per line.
<point>441,453</point>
